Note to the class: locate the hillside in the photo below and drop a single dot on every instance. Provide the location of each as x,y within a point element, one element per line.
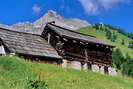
<point>101,34</point>
<point>16,73</point>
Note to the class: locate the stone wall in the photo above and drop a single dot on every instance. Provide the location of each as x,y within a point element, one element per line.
<point>101,69</point>
<point>85,66</point>
<point>72,64</point>
<point>95,68</point>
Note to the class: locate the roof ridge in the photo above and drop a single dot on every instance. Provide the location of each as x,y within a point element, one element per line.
<point>2,28</point>
<point>71,30</point>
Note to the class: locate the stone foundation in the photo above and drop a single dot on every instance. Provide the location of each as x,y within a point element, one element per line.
<point>95,68</point>
<point>101,70</point>
<point>112,71</point>
<point>72,64</point>
<point>85,66</point>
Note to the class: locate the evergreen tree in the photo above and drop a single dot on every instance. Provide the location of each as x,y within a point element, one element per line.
<point>131,44</point>
<point>123,42</point>
<point>130,35</point>
<point>128,57</point>
<point>113,37</point>
<point>127,68</point>
<point>118,58</point>
<point>108,34</point>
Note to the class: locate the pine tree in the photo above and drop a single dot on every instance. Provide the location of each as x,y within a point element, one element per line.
<point>131,44</point>
<point>108,34</point>
<point>127,67</point>
<point>118,58</point>
<point>123,42</point>
<point>128,57</point>
<point>113,37</point>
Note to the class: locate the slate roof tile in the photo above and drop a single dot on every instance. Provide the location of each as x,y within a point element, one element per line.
<point>26,43</point>
<point>75,35</point>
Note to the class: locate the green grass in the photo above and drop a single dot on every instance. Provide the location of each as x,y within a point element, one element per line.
<point>15,73</point>
<point>102,35</point>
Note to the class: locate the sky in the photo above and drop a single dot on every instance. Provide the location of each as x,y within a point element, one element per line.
<point>118,13</point>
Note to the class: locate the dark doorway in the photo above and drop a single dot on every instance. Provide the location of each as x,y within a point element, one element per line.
<point>89,66</point>
<point>106,70</point>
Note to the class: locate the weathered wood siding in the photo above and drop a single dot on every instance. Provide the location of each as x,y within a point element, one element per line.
<point>78,53</point>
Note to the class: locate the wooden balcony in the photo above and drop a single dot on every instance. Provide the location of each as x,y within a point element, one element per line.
<point>92,58</point>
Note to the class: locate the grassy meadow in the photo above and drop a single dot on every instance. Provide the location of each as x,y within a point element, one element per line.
<point>16,73</point>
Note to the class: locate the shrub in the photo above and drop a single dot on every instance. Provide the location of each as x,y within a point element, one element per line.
<point>37,84</point>
<point>123,42</point>
<point>118,58</point>
<point>127,68</point>
<point>108,34</point>
<point>131,44</point>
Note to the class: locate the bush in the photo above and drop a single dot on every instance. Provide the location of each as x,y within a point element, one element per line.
<point>127,68</point>
<point>37,84</point>
<point>131,44</point>
<point>111,36</point>
<point>12,63</point>
<point>108,34</point>
<point>123,42</point>
<point>118,58</point>
<point>114,37</point>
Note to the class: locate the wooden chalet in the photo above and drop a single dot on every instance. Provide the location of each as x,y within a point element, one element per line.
<point>61,46</point>
<point>78,50</point>
<point>29,46</point>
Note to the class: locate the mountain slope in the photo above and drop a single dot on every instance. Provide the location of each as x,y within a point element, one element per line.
<point>72,23</point>
<point>37,26</point>
<point>102,35</point>
<point>15,73</point>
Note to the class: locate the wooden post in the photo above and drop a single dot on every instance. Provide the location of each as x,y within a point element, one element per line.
<point>86,55</point>
<point>49,38</point>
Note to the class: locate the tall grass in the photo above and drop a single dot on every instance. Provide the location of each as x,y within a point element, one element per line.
<point>16,73</point>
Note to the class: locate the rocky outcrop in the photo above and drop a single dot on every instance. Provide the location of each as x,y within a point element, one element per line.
<point>61,21</point>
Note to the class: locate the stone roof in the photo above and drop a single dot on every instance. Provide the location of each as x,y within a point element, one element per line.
<point>25,43</point>
<point>76,35</point>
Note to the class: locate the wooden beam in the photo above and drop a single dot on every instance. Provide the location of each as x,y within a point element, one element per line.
<point>74,41</point>
<point>86,54</point>
<point>82,43</point>
<point>49,38</point>
<point>65,39</point>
